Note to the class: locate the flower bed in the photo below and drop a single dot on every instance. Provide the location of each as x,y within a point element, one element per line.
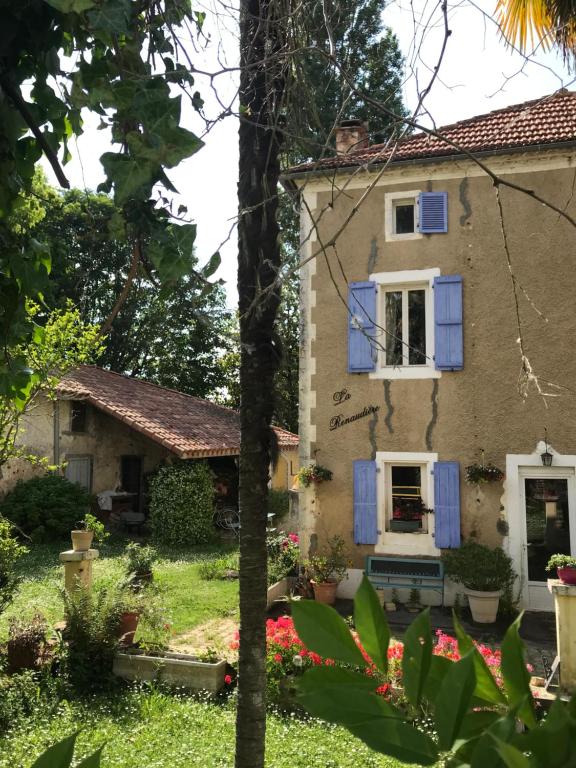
<point>288,657</point>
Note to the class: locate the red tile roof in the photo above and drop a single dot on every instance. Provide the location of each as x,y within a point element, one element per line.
<point>188,426</point>
<point>545,121</point>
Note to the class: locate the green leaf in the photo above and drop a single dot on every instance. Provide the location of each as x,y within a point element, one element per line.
<point>212,265</point>
<point>417,656</point>
<point>71,6</point>
<point>323,631</point>
<point>167,146</point>
<point>453,700</point>
<point>515,674</point>
<point>397,739</point>
<point>171,251</point>
<point>475,723</point>
<point>485,753</point>
<point>486,686</point>
<point>131,178</point>
<point>112,16</point>
<point>92,761</point>
<point>58,755</point>
<point>553,743</point>
<point>511,757</point>
<point>439,668</point>
<point>371,624</point>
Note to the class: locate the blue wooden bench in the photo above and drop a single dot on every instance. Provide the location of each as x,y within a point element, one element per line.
<point>398,572</point>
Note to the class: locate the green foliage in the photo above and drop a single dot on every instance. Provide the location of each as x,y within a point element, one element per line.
<point>283,556</point>
<point>10,552</point>
<point>218,568</point>
<point>182,503</point>
<point>118,60</point>
<point>479,567</point>
<point>61,344</point>
<point>20,696</point>
<point>475,722</point>
<point>47,506</point>
<point>60,755</point>
<point>172,334</point>
<point>313,473</point>
<point>140,558</point>
<point>278,503</point>
<point>91,523</point>
<point>561,561</point>
<point>329,566</point>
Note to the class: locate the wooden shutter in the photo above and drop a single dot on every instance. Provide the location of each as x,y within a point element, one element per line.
<point>447,504</point>
<point>433,212</point>
<point>361,323</point>
<point>365,512</point>
<point>448,332</point>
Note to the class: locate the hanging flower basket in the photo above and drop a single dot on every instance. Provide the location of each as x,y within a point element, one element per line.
<point>313,474</point>
<point>476,474</point>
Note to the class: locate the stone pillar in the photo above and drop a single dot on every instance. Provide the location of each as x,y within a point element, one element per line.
<point>565,607</point>
<point>78,567</point>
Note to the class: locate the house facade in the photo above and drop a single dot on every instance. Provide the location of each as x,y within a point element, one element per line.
<point>110,432</point>
<point>416,315</point>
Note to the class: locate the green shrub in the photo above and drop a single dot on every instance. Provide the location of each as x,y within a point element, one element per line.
<point>278,504</point>
<point>479,567</point>
<point>10,552</point>
<point>20,696</point>
<point>217,568</point>
<point>47,506</point>
<point>182,504</point>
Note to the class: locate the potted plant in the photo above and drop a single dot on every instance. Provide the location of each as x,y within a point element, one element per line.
<point>565,567</point>
<point>476,474</point>
<point>89,529</point>
<point>485,574</point>
<point>313,474</point>
<point>407,514</point>
<point>26,639</point>
<point>139,563</point>
<point>326,571</point>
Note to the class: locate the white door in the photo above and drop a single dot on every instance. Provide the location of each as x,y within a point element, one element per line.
<point>547,501</point>
<point>79,470</point>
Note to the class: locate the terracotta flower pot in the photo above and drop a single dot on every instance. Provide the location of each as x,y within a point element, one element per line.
<point>483,605</point>
<point>128,626</point>
<point>325,591</point>
<point>567,575</point>
<point>82,540</point>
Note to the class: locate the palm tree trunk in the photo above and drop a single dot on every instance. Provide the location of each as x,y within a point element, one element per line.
<point>261,87</point>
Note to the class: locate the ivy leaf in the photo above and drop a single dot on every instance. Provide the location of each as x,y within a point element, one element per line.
<point>417,656</point>
<point>453,700</point>
<point>371,624</point>
<point>323,631</point>
<point>112,16</point>
<point>71,6</point>
<point>171,251</point>
<point>131,178</point>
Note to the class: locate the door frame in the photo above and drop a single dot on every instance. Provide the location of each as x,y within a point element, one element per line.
<point>518,467</point>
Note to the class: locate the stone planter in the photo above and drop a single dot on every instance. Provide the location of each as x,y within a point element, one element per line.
<point>483,605</point>
<point>325,592</point>
<point>172,668</point>
<point>278,590</point>
<point>81,540</point>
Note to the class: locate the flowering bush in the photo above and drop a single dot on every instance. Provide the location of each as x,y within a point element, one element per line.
<point>286,656</point>
<point>283,556</point>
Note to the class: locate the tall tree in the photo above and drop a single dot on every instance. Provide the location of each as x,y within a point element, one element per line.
<point>368,52</point>
<point>172,334</point>
<point>117,59</point>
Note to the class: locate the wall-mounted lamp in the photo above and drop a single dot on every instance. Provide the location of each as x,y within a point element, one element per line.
<point>546,456</point>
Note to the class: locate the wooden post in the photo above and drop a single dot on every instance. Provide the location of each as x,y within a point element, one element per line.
<point>78,568</point>
<point>565,607</point>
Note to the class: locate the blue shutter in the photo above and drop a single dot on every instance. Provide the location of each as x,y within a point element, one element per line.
<point>365,513</point>
<point>448,335</point>
<point>433,212</point>
<point>361,320</point>
<point>447,504</point>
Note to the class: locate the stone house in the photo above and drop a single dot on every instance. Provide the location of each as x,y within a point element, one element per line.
<point>111,432</point>
<point>411,364</point>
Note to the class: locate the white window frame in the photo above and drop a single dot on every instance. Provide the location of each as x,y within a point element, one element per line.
<point>404,543</point>
<point>391,200</point>
<point>405,279</point>
<point>388,502</point>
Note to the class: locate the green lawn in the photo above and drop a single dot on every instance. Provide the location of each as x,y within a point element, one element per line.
<point>167,731</point>
<point>190,601</point>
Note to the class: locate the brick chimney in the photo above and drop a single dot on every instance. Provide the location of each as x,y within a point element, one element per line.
<point>350,136</point>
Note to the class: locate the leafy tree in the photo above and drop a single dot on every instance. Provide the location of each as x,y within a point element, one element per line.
<point>169,334</point>
<point>10,552</point>
<point>117,59</point>
<point>62,343</point>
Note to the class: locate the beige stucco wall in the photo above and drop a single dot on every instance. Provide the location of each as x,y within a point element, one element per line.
<point>106,440</point>
<point>286,468</point>
<point>461,412</point>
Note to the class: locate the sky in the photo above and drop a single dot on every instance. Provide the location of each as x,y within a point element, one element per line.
<point>478,73</point>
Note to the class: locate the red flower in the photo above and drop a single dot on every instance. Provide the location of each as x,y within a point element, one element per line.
<point>277,657</point>
<point>227,679</point>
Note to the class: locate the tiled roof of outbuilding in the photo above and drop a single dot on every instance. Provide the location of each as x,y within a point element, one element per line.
<point>550,120</point>
<point>188,426</point>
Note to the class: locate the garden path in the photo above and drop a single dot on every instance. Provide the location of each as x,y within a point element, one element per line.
<point>216,634</point>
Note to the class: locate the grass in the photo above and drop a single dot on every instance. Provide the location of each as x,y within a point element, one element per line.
<point>190,601</point>
<point>153,729</point>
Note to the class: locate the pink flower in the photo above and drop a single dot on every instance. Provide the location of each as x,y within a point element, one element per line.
<point>227,679</point>
<point>277,658</point>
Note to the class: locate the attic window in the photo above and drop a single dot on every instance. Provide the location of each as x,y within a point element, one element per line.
<point>77,416</point>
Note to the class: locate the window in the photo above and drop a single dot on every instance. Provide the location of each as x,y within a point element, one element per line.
<point>405,324</point>
<point>77,416</point>
<point>401,215</point>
